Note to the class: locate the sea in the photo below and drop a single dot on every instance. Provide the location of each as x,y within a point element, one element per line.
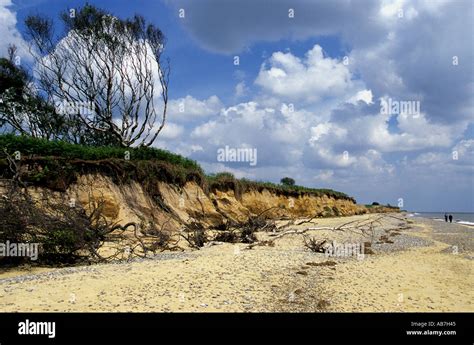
<point>466,218</point>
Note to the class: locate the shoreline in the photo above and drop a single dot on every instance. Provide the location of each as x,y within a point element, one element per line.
<point>469,222</point>
<point>414,268</point>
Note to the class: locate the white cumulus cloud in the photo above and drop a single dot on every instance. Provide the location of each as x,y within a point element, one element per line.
<point>311,78</point>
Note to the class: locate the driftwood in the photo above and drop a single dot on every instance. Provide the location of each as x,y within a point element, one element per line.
<point>315,245</point>
<point>364,227</point>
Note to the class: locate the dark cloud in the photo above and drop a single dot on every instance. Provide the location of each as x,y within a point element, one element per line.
<point>232,25</point>
<point>416,61</point>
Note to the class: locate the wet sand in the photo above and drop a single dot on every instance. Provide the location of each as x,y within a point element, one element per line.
<point>427,268</point>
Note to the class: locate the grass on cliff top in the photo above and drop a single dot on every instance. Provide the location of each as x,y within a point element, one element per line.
<point>61,162</point>
<point>45,148</point>
<point>225,179</point>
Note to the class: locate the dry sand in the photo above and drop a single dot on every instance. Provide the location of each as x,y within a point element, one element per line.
<point>420,271</point>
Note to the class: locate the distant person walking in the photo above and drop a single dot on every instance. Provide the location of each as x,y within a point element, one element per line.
<point>445,217</point>
<point>450,218</point>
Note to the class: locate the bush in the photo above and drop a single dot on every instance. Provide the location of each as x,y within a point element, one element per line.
<point>224,176</point>
<point>287,181</point>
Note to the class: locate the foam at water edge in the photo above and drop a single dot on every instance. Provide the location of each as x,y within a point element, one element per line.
<point>465,223</point>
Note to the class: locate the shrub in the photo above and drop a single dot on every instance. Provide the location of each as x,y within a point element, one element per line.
<point>287,181</point>
<point>224,176</point>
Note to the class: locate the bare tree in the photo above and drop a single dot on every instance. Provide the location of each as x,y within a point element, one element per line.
<point>104,73</point>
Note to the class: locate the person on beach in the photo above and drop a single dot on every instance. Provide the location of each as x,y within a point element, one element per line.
<point>445,217</point>
<point>450,218</point>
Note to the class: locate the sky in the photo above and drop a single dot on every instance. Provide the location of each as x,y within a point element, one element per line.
<point>371,98</point>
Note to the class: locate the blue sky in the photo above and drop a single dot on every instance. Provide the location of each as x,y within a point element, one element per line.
<point>308,112</point>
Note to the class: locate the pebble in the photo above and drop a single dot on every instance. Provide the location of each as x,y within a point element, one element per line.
<point>59,272</point>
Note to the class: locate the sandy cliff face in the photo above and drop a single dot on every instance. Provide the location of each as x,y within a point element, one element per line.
<point>131,203</point>
<point>301,206</point>
<point>173,205</point>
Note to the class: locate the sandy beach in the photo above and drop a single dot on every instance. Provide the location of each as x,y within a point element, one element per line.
<point>416,264</point>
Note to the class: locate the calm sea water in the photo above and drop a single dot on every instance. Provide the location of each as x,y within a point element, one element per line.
<point>457,217</point>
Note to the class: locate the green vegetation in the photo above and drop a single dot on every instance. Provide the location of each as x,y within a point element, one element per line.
<point>29,146</point>
<point>56,164</point>
<point>12,76</point>
<point>22,110</point>
<point>287,181</point>
<point>377,205</point>
<point>226,180</point>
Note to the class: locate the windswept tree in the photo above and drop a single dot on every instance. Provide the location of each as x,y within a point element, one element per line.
<point>104,74</point>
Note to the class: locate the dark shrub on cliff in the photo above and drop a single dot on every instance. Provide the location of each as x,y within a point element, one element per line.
<point>287,181</point>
